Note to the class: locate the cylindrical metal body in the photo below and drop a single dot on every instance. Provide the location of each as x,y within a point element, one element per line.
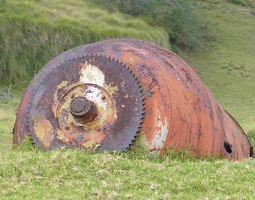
<point>179,111</point>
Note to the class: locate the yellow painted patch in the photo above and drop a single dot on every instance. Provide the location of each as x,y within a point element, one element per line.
<point>44,130</point>
<point>55,97</point>
<point>61,136</point>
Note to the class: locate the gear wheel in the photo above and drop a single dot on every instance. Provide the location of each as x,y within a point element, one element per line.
<point>90,101</point>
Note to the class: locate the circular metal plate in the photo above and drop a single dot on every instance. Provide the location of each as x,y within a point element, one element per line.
<point>64,91</point>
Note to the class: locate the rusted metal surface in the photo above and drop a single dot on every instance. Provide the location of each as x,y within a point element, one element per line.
<point>61,105</point>
<point>90,101</point>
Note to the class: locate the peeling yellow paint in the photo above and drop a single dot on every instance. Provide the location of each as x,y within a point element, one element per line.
<point>61,136</point>
<point>110,89</point>
<point>55,97</point>
<point>106,114</point>
<point>92,86</point>
<point>44,130</point>
<point>89,144</point>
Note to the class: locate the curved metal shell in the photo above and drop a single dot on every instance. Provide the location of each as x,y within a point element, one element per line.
<point>180,112</point>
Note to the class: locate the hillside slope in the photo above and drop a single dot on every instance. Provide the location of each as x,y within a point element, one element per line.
<point>227,65</point>
<point>33,32</point>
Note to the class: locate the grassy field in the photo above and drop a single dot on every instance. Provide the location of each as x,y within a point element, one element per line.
<point>75,174</point>
<point>227,65</point>
<point>40,30</point>
<point>227,68</point>
<point>8,108</point>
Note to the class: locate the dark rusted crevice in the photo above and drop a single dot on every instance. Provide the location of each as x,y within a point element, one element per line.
<point>252,152</point>
<point>228,147</point>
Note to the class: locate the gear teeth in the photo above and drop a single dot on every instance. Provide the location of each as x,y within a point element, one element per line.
<point>109,57</point>
<point>141,96</point>
<point>88,54</point>
<point>131,71</point>
<point>28,131</point>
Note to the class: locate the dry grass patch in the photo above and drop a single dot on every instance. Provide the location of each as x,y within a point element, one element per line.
<point>77,174</point>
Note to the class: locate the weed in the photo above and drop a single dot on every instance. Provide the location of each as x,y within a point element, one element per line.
<point>75,174</point>
<point>26,146</point>
<point>184,27</point>
<point>249,3</point>
<point>251,134</point>
<point>6,95</point>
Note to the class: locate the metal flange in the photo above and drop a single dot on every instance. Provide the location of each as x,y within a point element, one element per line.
<point>90,101</point>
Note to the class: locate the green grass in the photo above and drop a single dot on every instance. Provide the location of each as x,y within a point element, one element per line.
<point>33,32</point>
<point>226,67</point>
<point>6,122</point>
<point>76,174</point>
<point>8,108</point>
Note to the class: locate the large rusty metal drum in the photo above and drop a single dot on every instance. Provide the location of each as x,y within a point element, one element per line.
<point>106,95</point>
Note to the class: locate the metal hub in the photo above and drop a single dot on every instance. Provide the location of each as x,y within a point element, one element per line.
<point>80,106</point>
<point>83,110</point>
